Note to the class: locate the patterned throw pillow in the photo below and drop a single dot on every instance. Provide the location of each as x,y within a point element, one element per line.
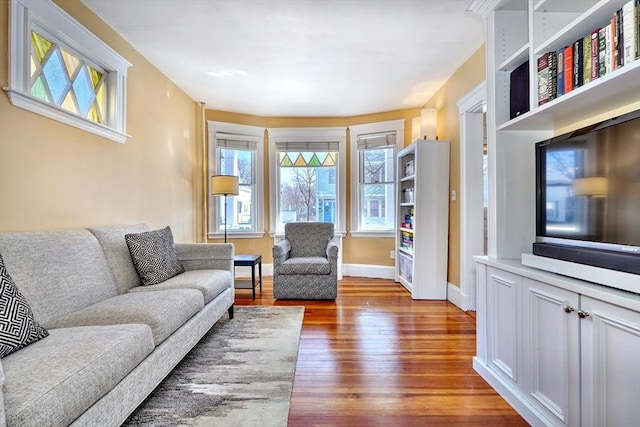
<point>17,326</point>
<point>154,255</point>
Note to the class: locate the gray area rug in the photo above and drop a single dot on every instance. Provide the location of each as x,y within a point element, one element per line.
<point>240,374</point>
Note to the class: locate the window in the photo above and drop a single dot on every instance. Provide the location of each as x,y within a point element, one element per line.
<point>373,159</point>
<point>306,176</point>
<point>62,71</point>
<point>237,150</point>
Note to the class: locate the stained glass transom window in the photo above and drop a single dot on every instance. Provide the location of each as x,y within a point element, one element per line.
<point>62,78</point>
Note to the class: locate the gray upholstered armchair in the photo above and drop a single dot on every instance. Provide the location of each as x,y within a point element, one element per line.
<point>305,263</point>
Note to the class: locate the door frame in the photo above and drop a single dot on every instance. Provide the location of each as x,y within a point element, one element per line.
<point>472,132</point>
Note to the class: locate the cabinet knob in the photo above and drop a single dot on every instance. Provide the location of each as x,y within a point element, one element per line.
<point>568,309</point>
<point>583,314</point>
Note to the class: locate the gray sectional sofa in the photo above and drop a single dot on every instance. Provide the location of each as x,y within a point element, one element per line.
<point>111,341</point>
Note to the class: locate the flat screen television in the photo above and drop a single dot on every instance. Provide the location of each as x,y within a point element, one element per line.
<point>588,195</point>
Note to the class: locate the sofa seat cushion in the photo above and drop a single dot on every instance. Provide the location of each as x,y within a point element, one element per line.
<point>210,282</point>
<point>306,265</point>
<point>163,311</point>
<point>53,381</point>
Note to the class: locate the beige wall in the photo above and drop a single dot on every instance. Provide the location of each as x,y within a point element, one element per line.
<point>466,78</point>
<point>56,176</point>
<point>355,250</point>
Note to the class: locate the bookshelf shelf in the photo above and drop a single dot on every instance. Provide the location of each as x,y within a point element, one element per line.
<point>422,230</point>
<point>518,57</point>
<point>595,17</point>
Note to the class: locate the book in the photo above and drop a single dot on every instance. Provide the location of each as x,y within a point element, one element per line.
<point>595,54</point>
<point>614,43</point>
<point>519,90</point>
<point>568,69</point>
<point>586,59</point>
<point>637,29</point>
<point>617,16</point>
<point>578,78</point>
<point>602,52</point>
<point>544,90</point>
<point>560,71</point>
<point>628,32</point>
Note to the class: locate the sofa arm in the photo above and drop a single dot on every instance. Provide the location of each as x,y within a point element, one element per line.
<point>3,421</point>
<point>280,254</point>
<point>206,256</point>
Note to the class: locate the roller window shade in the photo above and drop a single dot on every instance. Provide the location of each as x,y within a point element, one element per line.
<point>300,146</point>
<point>236,143</point>
<point>376,140</point>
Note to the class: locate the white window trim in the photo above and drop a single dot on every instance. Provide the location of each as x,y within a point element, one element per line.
<point>45,14</point>
<point>310,134</point>
<point>256,133</point>
<point>354,131</point>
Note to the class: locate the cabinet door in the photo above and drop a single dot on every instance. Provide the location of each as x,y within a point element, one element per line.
<point>503,339</point>
<point>610,345</point>
<point>551,351</point>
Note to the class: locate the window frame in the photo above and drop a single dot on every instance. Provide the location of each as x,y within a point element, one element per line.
<point>309,135</point>
<point>248,133</point>
<point>396,126</point>
<point>28,15</point>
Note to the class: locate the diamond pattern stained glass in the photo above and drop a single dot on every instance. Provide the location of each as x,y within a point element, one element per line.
<point>62,78</point>
<point>56,77</point>
<point>40,45</point>
<point>84,91</point>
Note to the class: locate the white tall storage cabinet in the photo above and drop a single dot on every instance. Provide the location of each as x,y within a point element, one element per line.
<point>561,351</point>
<point>423,218</point>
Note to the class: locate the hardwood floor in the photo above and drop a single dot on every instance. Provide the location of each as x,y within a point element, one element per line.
<point>375,357</point>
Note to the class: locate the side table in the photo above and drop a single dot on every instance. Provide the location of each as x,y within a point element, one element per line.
<point>249,261</point>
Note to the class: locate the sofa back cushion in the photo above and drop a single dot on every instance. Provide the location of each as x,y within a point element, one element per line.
<point>308,239</point>
<point>113,244</point>
<point>57,272</point>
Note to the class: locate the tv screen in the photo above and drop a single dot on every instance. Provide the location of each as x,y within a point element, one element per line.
<point>588,187</point>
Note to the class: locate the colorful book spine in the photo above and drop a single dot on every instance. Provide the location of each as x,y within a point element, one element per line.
<point>614,43</point>
<point>560,71</point>
<point>628,33</point>
<point>544,90</point>
<point>602,52</point>
<point>578,53</point>
<point>568,69</point>
<point>595,54</point>
<point>586,59</point>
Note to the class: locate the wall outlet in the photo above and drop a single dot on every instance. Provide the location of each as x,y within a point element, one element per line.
<point>392,254</point>
<point>453,195</point>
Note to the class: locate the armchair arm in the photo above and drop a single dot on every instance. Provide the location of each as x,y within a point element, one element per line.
<point>332,249</point>
<point>332,256</point>
<point>206,256</point>
<point>280,254</point>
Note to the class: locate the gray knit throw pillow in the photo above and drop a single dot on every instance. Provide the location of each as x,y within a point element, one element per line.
<point>154,255</point>
<point>18,328</point>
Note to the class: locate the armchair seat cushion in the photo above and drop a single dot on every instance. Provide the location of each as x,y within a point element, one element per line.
<point>306,265</point>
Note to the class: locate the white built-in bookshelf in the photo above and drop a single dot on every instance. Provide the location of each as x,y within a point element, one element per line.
<point>423,218</point>
<point>541,336</point>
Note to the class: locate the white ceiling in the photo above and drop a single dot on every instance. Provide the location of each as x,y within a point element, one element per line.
<point>300,57</point>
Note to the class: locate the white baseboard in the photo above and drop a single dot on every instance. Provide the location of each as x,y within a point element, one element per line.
<point>371,271</point>
<point>456,297</point>
<point>353,270</point>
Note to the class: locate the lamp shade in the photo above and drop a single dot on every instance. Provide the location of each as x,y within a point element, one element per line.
<point>428,123</point>
<point>224,185</point>
<point>596,186</point>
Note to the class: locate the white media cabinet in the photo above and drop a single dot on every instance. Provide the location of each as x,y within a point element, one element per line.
<point>562,351</point>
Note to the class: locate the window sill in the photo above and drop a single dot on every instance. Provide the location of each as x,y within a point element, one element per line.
<point>34,105</point>
<point>373,234</point>
<point>237,235</point>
